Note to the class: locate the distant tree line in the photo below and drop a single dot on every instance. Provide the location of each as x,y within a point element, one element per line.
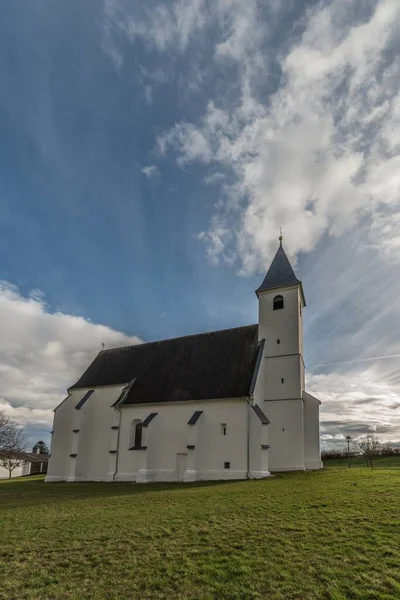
<point>369,448</point>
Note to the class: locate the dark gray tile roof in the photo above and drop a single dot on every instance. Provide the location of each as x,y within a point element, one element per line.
<point>83,400</point>
<point>149,419</point>
<point>195,417</point>
<point>257,366</point>
<point>280,272</point>
<point>263,418</point>
<point>218,364</point>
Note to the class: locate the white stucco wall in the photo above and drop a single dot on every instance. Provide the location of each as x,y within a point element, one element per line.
<point>283,333</point>
<point>284,324</point>
<point>258,448</point>
<point>169,434</point>
<point>312,452</point>
<point>293,437</point>
<point>95,434</point>
<point>20,471</point>
<point>95,431</point>
<point>259,434</point>
<point>286,451</point>
<point>16,473</point>
<point>287,368</point>
<point>91,439</point>
<point>61,440</point>
<point>26,468</point>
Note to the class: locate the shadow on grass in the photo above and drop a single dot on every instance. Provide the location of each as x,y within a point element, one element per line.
<point>31,491</point>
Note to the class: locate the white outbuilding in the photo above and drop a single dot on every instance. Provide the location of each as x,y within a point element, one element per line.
<point>227,404</point>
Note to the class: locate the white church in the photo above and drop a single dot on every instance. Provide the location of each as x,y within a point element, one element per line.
<point>227,404</point>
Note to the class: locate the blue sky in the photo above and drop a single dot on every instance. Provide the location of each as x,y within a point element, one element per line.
<point>149,153</point>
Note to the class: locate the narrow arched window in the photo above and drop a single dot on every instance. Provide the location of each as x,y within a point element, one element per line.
<point>136,434</point>
<point>278,302</point>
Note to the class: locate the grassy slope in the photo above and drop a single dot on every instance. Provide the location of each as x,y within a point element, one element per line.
<point>326,535</point>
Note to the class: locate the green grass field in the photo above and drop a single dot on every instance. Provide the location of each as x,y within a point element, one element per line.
<point>329,535</point>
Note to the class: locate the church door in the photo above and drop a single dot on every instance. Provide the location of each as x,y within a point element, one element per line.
<point>181,460</point>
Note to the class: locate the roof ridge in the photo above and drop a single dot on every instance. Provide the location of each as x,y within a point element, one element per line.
<point>179,337</point>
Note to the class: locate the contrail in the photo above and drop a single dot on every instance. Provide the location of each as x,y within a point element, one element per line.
<point>349,362</point>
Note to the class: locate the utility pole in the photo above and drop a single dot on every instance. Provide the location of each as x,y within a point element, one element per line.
<point>348,439</point>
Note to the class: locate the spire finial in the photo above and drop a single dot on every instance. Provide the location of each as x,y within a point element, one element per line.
<point>281,236</point>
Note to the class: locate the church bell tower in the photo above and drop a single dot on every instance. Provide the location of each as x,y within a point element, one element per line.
<point>281,303</point>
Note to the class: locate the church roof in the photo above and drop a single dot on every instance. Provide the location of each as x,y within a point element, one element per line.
<point>218,364</point>
<point>280,273</point>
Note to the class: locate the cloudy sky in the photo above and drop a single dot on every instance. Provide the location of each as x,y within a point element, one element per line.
<point>149,154</point>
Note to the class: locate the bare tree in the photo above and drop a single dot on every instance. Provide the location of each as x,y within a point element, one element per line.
<point>12,436</point>
<point>369,448</point>
<point>4,430</point>
<point>11,461</point>
<point>12,443</point>
<point>390,449</point>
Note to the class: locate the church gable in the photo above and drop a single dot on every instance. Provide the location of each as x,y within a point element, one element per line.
<point>219,364</point>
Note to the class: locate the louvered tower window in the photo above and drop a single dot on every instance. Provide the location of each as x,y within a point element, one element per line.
<point>278,302</point>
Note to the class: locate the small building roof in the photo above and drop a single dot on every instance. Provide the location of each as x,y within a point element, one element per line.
<point>218,364</point>
<point>27,456</point>
<point>280,274</point>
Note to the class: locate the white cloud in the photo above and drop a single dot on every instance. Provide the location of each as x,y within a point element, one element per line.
<point>43,353</point>
<point>300,130</point>
<point>151,172</point>
<point>192,142</point>
<point>358,402</point>
<point>320,151</point>
<point>163,25</point>
<point>151,80</point>
<point>385,234</point>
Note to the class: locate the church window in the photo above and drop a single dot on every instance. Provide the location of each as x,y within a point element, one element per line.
<point>300,308</point>
<point>227,465</point>
<point>278,341</point>
<point>136,434</point>
<point>282,380</point>
<point>223,428</point>
<point>278,302</point>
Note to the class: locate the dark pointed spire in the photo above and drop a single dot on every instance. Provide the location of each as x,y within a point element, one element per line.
<point>280,274</point>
